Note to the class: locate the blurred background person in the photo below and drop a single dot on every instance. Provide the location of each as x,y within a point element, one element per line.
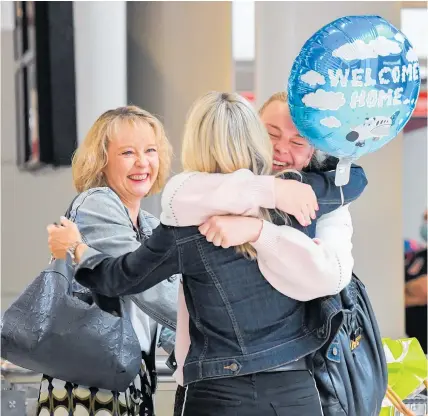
<point>416,291</point>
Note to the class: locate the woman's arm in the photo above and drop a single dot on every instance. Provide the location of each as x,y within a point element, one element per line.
<point>103,222</point>
<point>155,260</point>
<point>416,279</point>
<point>97,271</point>
<point>294,264</point>
<point>305,269</point>
<point>191,198</point>
<point>105,225</point>
<point>415,292</point>
<point>322,181</point>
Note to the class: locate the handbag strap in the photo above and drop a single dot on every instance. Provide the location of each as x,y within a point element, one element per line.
<point>150,362</point>
<point>66,215</point>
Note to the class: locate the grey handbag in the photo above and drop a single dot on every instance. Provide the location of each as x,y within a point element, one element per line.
<point>52,330</point>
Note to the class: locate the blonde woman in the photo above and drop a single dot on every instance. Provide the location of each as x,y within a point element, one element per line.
<point>248,333</point>
<point>124,158</point>
<point>194,199</point>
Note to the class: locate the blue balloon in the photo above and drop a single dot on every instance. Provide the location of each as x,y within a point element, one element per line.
<point>353,86</point>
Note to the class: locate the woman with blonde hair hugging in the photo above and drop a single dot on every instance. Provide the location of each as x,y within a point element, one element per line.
<point>250,327</point>
<point>125,157</point>
<point>293,158</point>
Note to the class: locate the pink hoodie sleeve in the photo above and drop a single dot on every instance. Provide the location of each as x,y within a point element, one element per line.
<point>288,259</point>
<point>303,269</point>
<point>190,198</point>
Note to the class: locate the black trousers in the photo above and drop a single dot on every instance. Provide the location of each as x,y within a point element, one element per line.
<point>285,393</point>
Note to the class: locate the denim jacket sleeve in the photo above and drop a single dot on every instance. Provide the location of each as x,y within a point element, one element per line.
<point>154,261</point>
<point>104,222</point>
<point>330,196</point>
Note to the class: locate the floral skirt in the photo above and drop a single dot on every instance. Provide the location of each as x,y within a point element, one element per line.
<point>62,398</point>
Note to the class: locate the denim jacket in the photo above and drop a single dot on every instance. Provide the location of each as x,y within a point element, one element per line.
<point>329,197</point>
<point>105,225</point>
<point>222,290</point>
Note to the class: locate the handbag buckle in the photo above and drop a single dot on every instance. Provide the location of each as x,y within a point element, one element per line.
<point>356,337</point>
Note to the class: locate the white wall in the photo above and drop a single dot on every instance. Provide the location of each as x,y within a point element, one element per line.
<point>170,67</point>
<point>30,201</point>
<point>100,50</point>
<point>414,26</point>
<point>243,27</point>
<point>177,51</point>
<point>7,19</point>
<point>414,181</point>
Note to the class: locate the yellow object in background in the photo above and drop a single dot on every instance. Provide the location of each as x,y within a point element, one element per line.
<point>407,374</point>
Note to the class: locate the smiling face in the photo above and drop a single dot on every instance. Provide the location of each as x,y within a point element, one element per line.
<point>133,161</point>
<point>291,150</point>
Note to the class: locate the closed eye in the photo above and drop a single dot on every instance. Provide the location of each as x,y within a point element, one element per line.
<point>152,149</point>
<point>299,140</point>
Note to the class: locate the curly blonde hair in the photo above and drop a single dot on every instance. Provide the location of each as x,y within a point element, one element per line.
<point>91,157</point>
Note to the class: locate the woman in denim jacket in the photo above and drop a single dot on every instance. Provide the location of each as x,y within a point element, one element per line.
<point>125,157</point>
<point>223,288</point>
<point>294,158</point>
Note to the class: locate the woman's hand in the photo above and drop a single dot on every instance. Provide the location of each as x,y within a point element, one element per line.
<point>62,238</point>
<point>230,230</point>
<point>297,199</point>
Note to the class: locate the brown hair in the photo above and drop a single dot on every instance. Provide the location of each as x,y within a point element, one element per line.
<point>91,158</point>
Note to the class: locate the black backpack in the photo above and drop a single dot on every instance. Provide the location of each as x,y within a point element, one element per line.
<point>350,370</point>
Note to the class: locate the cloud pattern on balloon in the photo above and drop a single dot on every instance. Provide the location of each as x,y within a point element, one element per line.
<point>354,86</point>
